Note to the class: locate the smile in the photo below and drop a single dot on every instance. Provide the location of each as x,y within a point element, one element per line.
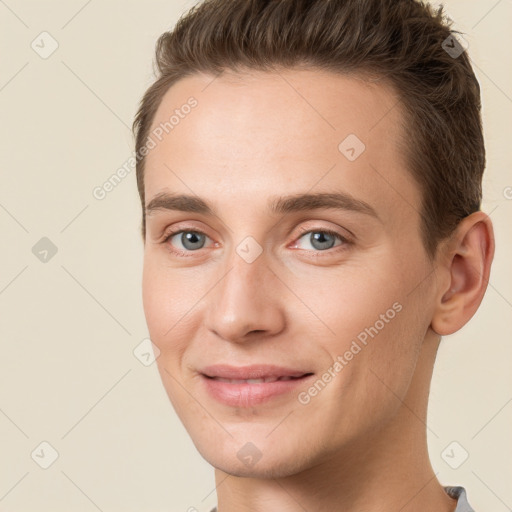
<point>250,385</point>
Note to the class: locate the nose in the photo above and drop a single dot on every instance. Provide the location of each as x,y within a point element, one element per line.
<point>247,303</point>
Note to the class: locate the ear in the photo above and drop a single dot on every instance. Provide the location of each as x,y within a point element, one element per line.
<point>464,267</point>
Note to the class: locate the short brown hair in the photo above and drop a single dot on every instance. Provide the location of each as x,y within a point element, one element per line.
<point>400,41</point>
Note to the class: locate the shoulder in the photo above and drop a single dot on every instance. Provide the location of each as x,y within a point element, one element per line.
<point>459,493</point>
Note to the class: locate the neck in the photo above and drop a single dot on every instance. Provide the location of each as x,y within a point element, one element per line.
<point>390,471</point>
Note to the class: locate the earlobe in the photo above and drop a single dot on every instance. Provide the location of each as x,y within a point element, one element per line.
<point>466,274</point>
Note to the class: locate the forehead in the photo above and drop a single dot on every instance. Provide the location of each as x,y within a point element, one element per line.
<point>250,135</point>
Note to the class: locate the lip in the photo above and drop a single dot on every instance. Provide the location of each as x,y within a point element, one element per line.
<point>247,394</point>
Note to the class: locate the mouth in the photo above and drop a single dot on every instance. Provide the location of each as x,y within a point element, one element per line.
<point>262,380</point>
<point>251,385</point>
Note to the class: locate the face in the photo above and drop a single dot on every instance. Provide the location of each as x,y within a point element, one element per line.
<point>330,290</point>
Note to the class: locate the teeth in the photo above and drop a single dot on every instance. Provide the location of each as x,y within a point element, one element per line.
<point>253,381</point>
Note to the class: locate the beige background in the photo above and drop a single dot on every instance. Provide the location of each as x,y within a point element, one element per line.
<point>68,374</point>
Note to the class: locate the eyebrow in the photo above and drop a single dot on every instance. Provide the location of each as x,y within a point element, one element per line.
<point>276,204</point>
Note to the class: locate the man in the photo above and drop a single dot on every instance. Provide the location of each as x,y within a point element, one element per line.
<point>310,177</point>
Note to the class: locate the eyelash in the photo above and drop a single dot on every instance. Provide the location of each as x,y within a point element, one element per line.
<point>303,231</point>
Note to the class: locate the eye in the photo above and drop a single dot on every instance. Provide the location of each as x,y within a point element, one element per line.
<point>322,239</point>
<point>184,242</point>
<point>190,240</point>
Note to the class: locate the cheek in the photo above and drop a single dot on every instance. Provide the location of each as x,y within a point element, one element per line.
<point>365,316</point>
<point>166,292</point>
<point>159,301</point>
<point>154,298</point>
<point>171,304</point>
<point>376,364</point>
<point>163,304</point>
<point>345,302</point>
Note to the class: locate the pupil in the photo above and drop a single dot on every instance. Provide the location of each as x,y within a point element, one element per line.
<point>320,238</point>
<point>191,237</point>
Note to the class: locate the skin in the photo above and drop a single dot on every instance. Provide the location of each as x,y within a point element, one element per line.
<point>360,443</point>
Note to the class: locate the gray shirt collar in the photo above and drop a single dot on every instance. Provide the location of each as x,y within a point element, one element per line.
<point>456,492</point>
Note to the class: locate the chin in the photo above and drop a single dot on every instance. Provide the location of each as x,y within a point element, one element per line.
<point>262,469</point>
<point>260,459</point>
